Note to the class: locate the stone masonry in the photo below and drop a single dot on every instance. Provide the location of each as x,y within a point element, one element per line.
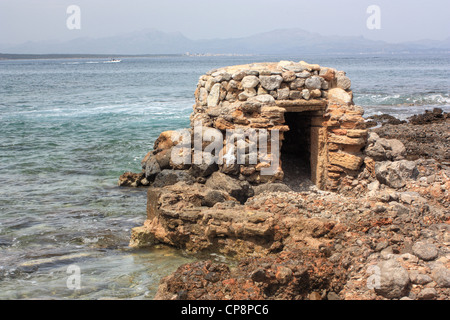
<point>263,96</point>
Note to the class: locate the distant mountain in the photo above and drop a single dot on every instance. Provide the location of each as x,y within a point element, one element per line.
<point>283,41</point>
<point>142,42</point>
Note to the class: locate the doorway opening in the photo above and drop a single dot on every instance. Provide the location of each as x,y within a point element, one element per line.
<point>297,151</point>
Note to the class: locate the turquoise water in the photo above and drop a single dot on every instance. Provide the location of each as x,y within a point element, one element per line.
<point>69,128</point>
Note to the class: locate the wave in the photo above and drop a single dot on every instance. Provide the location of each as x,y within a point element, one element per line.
<point>167,108</point>
<point>426,99</point>
<point>82,62</point>
<point>401,112</point>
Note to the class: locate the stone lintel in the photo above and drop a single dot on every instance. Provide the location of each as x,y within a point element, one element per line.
<point>302,105</point>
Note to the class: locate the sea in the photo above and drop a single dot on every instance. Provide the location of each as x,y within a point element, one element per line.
<point>70,127</point>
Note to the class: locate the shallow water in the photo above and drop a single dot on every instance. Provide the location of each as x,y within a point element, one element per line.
<point>69,128</point>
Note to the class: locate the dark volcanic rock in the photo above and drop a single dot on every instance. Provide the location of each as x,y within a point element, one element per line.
<point>383,120</point>
<point>428,117</point>
<point>290,275</point>
<point>169,177</point>
<point>213,197</point>
<point>422,140</point>
<point>204,169</point>
<point>241,190</point>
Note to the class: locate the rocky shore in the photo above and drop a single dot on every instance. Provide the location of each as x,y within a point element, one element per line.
<point>382,231</point>
<point>377,243</point>
<point>424,136</point>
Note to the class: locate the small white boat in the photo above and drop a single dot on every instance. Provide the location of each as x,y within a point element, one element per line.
<point>113,61</point>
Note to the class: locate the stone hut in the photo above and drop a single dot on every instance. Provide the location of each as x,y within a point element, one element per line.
<point>320,131</point>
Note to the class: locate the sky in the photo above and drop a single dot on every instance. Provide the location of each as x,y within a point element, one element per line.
<point>45,20</point>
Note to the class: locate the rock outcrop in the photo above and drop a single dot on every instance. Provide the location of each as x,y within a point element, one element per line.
<point>425,136</point>
<point>388,244</point>
<point>374,226</point>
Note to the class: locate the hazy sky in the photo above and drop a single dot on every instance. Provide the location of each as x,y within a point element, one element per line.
<point>401,20</point>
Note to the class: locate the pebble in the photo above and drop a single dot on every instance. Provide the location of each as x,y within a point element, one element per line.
<point>427,294</point>
<point>306,94</point>
<point>333,296</point>
<point>442,277</point>
<point>419,278</point>
<point>410,258</point>
<point>425,251</point>
<point>381,245</point>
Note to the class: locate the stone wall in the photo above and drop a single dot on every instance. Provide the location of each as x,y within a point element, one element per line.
<point>261,96</point>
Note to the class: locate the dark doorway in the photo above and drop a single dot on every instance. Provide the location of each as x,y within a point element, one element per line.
<point>296,151</point>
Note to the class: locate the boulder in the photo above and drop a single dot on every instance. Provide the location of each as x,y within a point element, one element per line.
<point>213,197</point>
<point>204,169</point>
<point>294,67</point>
<point>167,140</point>
<point>395,174</point>
<point>419,278</point>
<point>163,158</point>
<point>240,190</point>
<point>316,93</point>
<point>303,75</point>
<point>397,150</point>
<point>295,95</point>
<point>427,294</point>
<point>152,168</point>
<point>381,149</point>
<point>441,275</point>
<point>425,251</point>
<point>394,280</point>
<point>169,177</point>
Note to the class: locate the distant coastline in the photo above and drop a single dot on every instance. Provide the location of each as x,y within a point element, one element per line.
<point>21,56</point>
<point>276,42</point>
<point>18,56</point>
